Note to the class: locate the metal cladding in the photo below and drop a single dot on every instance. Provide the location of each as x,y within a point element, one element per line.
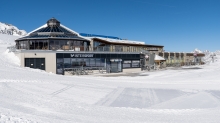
<point>53,22</point>
<point>53,29</point>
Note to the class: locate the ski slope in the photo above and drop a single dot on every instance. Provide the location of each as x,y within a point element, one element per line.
<point>191,94</point>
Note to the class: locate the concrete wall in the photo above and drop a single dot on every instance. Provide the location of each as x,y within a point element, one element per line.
<point>50,60</point>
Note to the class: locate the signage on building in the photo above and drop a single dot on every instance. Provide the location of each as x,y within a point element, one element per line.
<point>81,55</point>
<point>115,60</point>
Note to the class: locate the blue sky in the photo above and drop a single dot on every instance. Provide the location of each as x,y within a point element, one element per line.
<point>179,25</point>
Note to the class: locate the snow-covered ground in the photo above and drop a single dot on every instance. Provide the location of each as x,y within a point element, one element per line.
<point>191,94</point>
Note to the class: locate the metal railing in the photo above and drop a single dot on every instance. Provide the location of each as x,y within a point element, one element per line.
<point>85,48</point>
<point>12,49</point>
<point>87,70</point>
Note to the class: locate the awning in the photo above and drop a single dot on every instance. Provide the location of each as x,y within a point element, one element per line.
<point>159,58</point>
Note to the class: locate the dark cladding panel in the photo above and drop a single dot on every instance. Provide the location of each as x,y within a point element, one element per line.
<point>102,55</point>
<point>114,56</point>
<point>66,55</point>
<point>137,56</point>
<point>59,55</point>
<point>129,56</point>
<point>123,56</point>
<point>96,55</point>
<point>108,55</point>
<point>119,56</point>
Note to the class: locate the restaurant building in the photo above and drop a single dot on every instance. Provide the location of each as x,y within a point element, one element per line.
<point>55,48</point>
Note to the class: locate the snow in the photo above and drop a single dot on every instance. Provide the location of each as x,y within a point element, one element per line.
<point>11,30</point>
<point>43,26</point>
<point>157,57</point>
<point>118,40</point>
<point>197,51</point>
<point>190,94</point>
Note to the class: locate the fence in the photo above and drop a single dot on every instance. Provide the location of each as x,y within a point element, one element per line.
<point>87,70</point>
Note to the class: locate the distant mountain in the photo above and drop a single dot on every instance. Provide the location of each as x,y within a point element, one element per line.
<point>197,51</point>
<point>11,30</point>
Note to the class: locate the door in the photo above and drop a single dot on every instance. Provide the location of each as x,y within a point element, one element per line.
<point>116,65</point>
<point>36,63</point>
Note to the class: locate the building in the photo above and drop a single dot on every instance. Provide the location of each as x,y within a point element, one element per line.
<point>55,48</point>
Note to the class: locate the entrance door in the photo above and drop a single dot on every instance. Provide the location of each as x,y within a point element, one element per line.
<point>36,63</point>
<point>116,65</point>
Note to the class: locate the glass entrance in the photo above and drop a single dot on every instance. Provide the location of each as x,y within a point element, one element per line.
<point>115,65</point>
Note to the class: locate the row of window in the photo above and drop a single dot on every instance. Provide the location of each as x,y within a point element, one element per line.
<point>93,62</point>
<point>53,45</point>
<point>131,63</point>
<point>75,46</point>
<point>121,48</point>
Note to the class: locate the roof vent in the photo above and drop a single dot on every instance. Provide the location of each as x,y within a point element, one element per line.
<point>53,22</point>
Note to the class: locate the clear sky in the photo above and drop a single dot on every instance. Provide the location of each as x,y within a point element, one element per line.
<point>179,25</point>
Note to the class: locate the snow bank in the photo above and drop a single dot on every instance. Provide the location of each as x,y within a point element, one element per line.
<point>11,58</point>
<point>8,39</point>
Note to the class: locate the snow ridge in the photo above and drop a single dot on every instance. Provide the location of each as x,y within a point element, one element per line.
<point>11,30</point>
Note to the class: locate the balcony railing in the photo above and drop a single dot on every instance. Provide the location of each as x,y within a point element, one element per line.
<point>85,48</point>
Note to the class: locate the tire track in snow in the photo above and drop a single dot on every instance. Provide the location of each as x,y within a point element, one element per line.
<point>61,90</point>
<point>110,98</point>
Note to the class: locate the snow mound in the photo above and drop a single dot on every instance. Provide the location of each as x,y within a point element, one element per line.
<point>8,39</point>
<point>11,58</point>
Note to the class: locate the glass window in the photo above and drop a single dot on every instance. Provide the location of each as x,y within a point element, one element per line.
<point>98,62</point>
<point>59,60</point>
<point>92,62</point>
<point>45,45</point>
<point>40,44</point>
<point>59,69</point>
<point>80,62</point>
<point>86,62</point>
<point>127,64</point>
<point>135,63</point>
<point>74,62</point>
<point>103,63</point>
<point>56,45</point>
<point>67,63</point>
<point>60,66</point>
<point>36,44</point>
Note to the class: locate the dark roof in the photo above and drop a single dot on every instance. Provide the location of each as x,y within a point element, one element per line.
<point>52,30</point>
<point>123,43</point>
<point>102,36</point>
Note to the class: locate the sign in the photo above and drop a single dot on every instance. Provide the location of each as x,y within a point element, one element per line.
<point>115,60</point>
<point>81,55</point>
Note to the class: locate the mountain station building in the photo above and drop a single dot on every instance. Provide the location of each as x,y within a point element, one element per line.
<point>55,48</point>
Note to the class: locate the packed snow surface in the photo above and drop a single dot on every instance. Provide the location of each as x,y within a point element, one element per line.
<point>187,95</point>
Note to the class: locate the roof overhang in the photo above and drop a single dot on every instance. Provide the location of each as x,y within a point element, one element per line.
<point>120,42</point>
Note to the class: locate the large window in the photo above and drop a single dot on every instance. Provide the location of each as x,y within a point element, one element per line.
<point>127,64</point>
<point>92,62</point>
<point>23,45</point>
<point>60,66</point>
<point>67,63</point>
<point>135,63</point>
<point>86,61</point>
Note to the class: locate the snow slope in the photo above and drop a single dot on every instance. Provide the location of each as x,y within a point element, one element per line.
<point>191,94</point>
<point>11,30</point>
